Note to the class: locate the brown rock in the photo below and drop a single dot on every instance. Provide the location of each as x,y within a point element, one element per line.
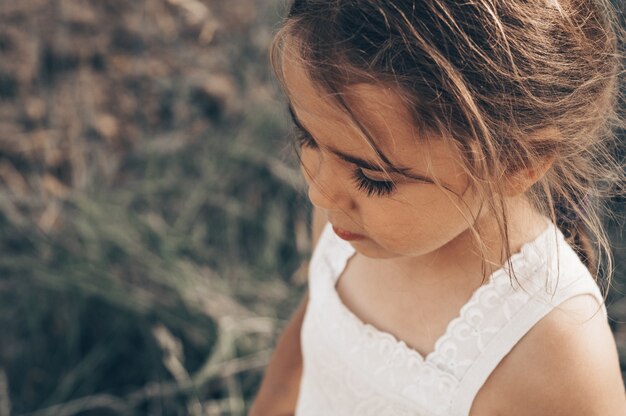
<point>107,127</point>
<point>80,15</point>
<point>216,96</point>
<point>35,109</point>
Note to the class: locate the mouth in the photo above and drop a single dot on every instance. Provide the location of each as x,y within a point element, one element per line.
<point>347,235</point>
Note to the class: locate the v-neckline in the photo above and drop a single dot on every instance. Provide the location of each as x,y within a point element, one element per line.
<point>517,259</point>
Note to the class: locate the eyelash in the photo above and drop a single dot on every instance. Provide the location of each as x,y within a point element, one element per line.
<point>304,140</point>
<point>372,187</point>
<point>362,182</point>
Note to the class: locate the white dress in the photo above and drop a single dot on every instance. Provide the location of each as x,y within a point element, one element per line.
<point>352,368</point>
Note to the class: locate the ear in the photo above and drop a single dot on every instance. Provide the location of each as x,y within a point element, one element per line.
<point>521,180</point>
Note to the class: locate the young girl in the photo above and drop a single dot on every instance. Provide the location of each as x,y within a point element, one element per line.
<point>454,152</point>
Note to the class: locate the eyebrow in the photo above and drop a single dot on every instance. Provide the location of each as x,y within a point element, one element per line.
<point>405,171</point>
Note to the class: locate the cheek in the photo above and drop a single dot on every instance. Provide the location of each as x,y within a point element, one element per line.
<point>420,219</point>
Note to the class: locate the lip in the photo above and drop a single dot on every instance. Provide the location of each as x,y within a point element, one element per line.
<point>347,235</point>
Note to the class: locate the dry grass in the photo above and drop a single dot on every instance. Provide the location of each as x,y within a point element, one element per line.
<point>147,220</point>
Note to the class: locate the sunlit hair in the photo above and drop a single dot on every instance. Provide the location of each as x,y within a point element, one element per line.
<point>512,83</point>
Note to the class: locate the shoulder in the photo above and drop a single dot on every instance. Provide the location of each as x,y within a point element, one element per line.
<point>567,364</point>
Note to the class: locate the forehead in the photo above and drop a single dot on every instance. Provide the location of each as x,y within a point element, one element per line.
<point>379,109</point>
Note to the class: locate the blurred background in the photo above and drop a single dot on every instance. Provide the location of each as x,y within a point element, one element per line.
<point>153,224</point>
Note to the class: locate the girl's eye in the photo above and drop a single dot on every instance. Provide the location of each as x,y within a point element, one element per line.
<point>370,186</point>
<point>304,140</point>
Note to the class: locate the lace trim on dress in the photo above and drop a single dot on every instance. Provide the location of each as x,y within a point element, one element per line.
<point>472,326</point>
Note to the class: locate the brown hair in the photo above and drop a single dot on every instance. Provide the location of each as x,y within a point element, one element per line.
<point>492,75</point>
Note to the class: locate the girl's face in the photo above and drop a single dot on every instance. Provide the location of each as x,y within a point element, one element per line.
<point>383,215</point>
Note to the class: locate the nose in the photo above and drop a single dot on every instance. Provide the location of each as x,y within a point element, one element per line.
<point>327,189</point>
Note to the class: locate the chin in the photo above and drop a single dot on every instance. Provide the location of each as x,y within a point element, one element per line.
<point>372,252</point>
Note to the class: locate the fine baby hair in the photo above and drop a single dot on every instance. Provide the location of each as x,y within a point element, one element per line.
<point>514,84</point>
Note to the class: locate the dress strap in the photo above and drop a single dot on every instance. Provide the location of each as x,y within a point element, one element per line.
<point>538,306</point>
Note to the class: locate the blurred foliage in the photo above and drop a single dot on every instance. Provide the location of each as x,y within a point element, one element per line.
<point>152,223</point>
<point>148,209</point>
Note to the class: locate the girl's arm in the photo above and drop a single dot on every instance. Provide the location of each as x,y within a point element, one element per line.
<point>279,389</point>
